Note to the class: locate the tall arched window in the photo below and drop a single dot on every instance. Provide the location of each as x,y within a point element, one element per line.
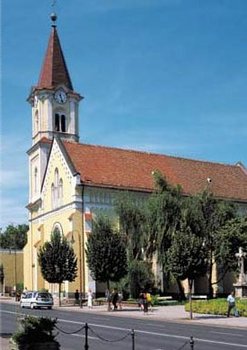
<point>56,177</point>
<point>52,196</point>
<point>35,180</point>
<point>57,190</point>
<point>63,123</point>
<point>60,192</point>
<point>60,122</point>
<point>36,122</point>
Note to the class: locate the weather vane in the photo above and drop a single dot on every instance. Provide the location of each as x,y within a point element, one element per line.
<point>53,14</point>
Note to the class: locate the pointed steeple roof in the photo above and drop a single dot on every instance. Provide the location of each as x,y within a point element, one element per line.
<point>54,71</point>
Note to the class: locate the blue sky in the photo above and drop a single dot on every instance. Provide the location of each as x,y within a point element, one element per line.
<point>165,76</point>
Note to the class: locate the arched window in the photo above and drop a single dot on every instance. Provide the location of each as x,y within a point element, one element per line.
<point>52,196</point>
<point>57,228</point>
<point>56,177</point>
<point>63,123</point>
<point>36,122</point>
<point>57,122</point>
<point>60,122</point>
<point>57,190</point>
<point>60,191</point>
<point>35,180</point>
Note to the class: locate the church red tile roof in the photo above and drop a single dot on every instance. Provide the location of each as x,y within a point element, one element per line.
<point>128,169</point>
<point>54,71</point>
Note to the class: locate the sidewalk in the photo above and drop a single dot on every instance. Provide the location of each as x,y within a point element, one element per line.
<point>174,313</point>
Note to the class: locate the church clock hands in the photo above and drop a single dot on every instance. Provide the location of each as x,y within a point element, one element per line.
<point>60,96</point>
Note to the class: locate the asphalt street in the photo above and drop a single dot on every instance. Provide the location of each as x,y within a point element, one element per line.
<point>109,331</point>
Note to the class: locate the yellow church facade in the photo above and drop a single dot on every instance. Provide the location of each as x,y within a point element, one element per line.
<point>71,182</point>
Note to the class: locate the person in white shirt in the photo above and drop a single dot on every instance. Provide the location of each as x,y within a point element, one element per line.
<point>90,299</point>
<point>231,303</point>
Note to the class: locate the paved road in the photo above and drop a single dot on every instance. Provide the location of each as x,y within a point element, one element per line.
<point>151,333</point>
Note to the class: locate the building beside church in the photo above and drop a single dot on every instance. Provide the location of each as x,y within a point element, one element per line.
<point>12,262</point>
<point>70,182</point>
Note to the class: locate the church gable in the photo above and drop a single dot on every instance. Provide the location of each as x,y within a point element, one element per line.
<point>59,185</point>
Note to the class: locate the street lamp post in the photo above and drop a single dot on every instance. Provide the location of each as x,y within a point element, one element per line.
<point>80,267</point>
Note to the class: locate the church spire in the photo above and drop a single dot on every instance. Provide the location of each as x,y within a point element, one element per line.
<point>54,71</point>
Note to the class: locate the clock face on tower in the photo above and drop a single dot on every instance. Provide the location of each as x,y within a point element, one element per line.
<point>60,96</point>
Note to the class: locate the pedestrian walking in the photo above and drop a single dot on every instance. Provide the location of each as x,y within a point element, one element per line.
<point>231,303</point>
<point>145,303</point>
<point>120,299</point>
<point>90,299</point>
<point>114,299</point>
<point>149,300</point>
<point>108,299</point>
<point>76,297</point>
<point>141,300</point>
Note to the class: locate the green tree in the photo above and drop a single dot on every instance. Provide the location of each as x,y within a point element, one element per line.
<point>187,257</point>
<point>163,217</point>
<point>131,218</point>
<point>106,253</point>
<point>57,261</point>
<point>215,214</point>
<point>140,277</point>
<point>14,237</point>
<point>231,237</point>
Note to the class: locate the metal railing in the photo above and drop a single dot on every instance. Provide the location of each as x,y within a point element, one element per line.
<point>188,344</point>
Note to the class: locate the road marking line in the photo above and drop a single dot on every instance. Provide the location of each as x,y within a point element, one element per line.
<point>81,336</point>
<point>235,334</point>
<point>145,332</point>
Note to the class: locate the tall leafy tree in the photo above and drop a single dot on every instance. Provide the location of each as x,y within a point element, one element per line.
<point>163,216</point>
<point>231,237</point>
<point>140,277</point>
<point>106,253</point>
<point>132,217</point>
<point>187,257</point>
<point>14,237</point>
<point>57,260</point>
<point>216,214</point>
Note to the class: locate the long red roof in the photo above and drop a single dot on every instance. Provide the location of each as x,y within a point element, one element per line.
<point>128,169</point>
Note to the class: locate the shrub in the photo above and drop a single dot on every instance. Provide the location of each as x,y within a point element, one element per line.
<point>216,306</point>
<point>35,330</point>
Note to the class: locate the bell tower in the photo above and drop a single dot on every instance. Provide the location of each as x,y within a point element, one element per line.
<point>55,110</point>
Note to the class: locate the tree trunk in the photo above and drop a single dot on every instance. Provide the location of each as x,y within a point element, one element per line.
<point>59,294</point>
<point>109,299</point>
<point>210,273</point>
<point>181,290</point>
<point>190,297</point>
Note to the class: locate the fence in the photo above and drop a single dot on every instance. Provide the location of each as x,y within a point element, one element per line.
<point>188,344</point>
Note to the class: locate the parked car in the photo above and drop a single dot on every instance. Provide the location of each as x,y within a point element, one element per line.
<point>36,300</point>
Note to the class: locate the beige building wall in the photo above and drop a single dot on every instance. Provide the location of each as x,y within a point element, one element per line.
<point>60,205</point>
<point>13,268</point>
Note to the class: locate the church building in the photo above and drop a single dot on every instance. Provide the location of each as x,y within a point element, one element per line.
<point>71,182</point>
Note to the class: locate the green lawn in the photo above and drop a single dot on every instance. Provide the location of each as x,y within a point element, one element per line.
<point>217,306</point>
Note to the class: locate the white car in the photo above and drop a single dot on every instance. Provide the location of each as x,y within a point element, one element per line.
<point>36,300</point>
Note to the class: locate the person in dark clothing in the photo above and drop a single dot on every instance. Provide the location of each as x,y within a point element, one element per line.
<point>114,299</point>
<point>77,297</point>
<point>145,303</point>
<point>141,300</point>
